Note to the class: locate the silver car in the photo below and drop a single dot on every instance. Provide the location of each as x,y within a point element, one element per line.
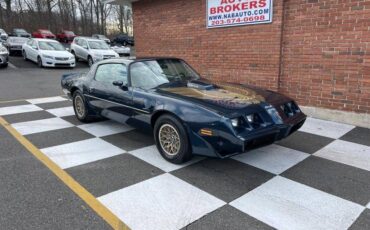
<point>91,50</point>
<point>4,56</point>
<point>14,44</point>
<point>3,35</point>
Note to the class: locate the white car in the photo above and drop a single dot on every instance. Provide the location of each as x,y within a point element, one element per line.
<point>123,51</point>
<point>47,53</point>
<point>91,50</point>
<point>14,44</point>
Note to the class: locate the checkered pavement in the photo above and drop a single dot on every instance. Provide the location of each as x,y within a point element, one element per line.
<point>318,178</point>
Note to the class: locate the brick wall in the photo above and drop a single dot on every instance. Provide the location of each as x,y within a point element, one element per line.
<point>326,58</point>
<point>324,47</point>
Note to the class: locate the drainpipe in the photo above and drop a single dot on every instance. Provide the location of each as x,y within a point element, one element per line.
<point>281,70</point>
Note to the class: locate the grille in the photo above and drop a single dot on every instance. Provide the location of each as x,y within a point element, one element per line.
<point>61,58</point>
<point>108,56</point>
<point>62,65</point>
<point>261,141</point>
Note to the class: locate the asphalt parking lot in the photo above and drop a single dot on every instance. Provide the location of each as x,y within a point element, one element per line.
<point>58,173</point>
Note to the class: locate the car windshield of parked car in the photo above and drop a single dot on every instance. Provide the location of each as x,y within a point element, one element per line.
<point>102,37</point>
<point>69,33</point>
<point>156,73</point>
<point>98,45</point>
<point>45,32</point>
<point>19,31</point>
<point>51,46</point>
<point>2,31</point>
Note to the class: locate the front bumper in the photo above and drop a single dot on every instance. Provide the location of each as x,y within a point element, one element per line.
<point>15,48</point>
<point>223,144</point>
<point>56,63</point>
<point>4,59</point>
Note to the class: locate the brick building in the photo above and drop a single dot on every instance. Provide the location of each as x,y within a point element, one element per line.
<point>316,51</point>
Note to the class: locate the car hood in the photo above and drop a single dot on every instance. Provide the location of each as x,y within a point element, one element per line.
<point>222,97</point>
<point>56,53</point>
<point>103,52</point>
<point>17,40</point>
<point>121,48</point>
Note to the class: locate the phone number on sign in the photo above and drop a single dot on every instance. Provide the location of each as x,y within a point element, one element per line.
<point>238,20</point>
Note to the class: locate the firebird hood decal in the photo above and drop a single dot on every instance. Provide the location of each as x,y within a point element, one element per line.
<point>225,95</point>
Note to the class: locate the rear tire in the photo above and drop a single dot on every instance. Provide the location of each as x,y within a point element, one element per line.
<point>82,110</point>
<point>172,139</point>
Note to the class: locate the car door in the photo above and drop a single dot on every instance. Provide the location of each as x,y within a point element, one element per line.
<point>109,92</point>
<point>78,48</point>
<point>84,49</point>
<point>33,51</point>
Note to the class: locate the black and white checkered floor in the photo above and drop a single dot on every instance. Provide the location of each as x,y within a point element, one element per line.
<point>319,178</point>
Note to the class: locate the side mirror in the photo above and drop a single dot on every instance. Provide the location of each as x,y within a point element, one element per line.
<point>35,47</point>
<point>85,47</point>
<point>120,84</point>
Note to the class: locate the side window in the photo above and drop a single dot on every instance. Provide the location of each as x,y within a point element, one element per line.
<point>109,73</point>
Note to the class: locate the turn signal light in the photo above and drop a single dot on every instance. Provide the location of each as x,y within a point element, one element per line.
<point>206,132</point>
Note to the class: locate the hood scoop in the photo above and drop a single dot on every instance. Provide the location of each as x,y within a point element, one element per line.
<point>200,85</point>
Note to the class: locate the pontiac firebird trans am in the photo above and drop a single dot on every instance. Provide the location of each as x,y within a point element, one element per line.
<point>188,115</point>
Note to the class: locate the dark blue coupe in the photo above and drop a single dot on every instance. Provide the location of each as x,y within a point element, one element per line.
<point>188,115</point>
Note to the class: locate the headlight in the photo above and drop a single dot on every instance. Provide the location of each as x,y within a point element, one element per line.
<point>3,50</point>
<point>72,58</point>
<point>250,118</point>
<point>275,115</point>
<point>47,56</point>
<point>235,122</point>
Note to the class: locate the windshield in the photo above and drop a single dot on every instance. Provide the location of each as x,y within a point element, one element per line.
<point>102,37</point>
<point>51,46</point>
<point>98,45</point>
<point>2,31</point>
<point>156,73</point>
<point>69,33</point>
<point>45,31</point>
<point>20,30</point>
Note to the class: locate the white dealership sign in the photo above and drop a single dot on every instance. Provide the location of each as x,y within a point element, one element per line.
<point>224,13</point>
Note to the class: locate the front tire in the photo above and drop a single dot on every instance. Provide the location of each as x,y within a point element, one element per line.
<point>81,108</point>
<point>39,62</point>
<point>90,61</point>
<point>24,55</point>
<point>74,54</point>
<point>172,140</point>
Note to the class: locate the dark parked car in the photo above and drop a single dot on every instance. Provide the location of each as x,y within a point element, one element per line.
<point>101,37</point>
<point>124,40</point>
<point>18,32</point>
<point>189,115</point>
